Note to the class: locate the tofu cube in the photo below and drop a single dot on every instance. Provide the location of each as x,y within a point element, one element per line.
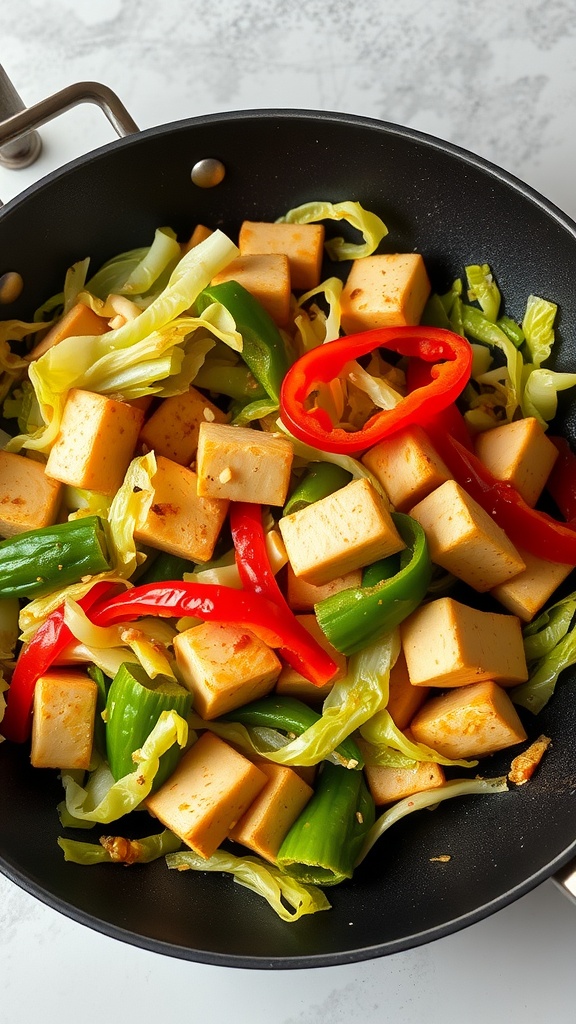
<point>386,290</point>
<point>447,644</point>
<point>404,699</point>
<point>519,452</point>
<point>178,520</point>
<point>242,464</point>
<point>210,789</point>
<point>264,826</point>
<point>199,234</point>
<point>63,720</point>
<point>407,466</point>
<point>525,594</point>
<point>340,533</point>
<point>267,278</point>
<point>292,683</point>
<point>303,244</point>
<point>464,539</point>
<point>96,442</point>
<point>79,322</point>
<point>224,667</point>
<point>473,721</point>
<point>387,785</point>
<point>302,596</point>
<point>172,430</point>
<point>29,500</point>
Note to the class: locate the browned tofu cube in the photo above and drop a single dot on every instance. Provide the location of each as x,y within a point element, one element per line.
<point>242,464</point>
<point>473,721</point>
<point>407,466</point>
<point>178,520</point>
<point>29,500</point>
<point>519,452</point>
<point>385,290</point>
<point>264,826</point>
<point>79,322</point>
<point>211,788</point>
<point>464,539</point>
<point>387,785</point>
<point>172,430</point>
<point>404,699</point>
<point>267,278</point>
<point>340,533</point>
<point>303,244</point>
<point>224,666</point>
<point>302,596</point>
<point>96,442</point>
<point>63,720</point>
<point>292,683</point>
<point>525,594</point>
<point>448,644</point>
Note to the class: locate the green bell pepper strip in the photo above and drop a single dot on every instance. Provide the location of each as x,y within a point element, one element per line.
<point>318,482</point>
<point>264,351</point>
<point>237,382</point>
<point>133,707</point>
<point>288,715</point>
<point>324,842</point>
<point>40,561</point>
<point>356,617</point>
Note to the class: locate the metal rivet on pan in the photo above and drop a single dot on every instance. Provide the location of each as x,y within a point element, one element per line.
<point>11,285</point>
<point>208,172</point>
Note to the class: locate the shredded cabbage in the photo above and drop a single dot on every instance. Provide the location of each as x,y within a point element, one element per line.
<point>267,880</point>
<point>538,328</point>
<point>351,702</point>
<point>417,802</point>
<point>84,805</point>
<point>550,647</point>
<point>133,359</point>
<point>368,224</point>
<point>116,850</point>
<point>483,288</point>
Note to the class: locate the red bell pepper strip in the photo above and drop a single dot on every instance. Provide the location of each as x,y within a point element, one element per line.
<point>450,420</point>
<point>213,603</point>
<point>527,528</point>
<point>256,575</point>
<point>561,483</point>
<point>35,658</point>
<point>450,354</point>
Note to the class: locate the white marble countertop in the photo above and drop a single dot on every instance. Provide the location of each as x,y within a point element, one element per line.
<point>499,79</point>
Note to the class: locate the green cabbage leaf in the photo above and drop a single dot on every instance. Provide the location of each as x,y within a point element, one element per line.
<point>288,897</point>
<point>370,226</point>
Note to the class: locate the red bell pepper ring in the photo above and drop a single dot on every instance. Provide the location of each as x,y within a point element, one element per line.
<point>35,658</point>
<point>449,420</point>
<point>256,575</point>
<point>213,603</point>
<point>527,528</point>
<point>449,354</point>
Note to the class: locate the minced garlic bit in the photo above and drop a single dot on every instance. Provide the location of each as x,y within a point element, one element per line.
<point>225,476</point>
<point>524,765</point>
<point>209,415</point>
<point>442,858</point>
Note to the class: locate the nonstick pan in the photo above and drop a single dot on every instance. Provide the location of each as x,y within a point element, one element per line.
<point>455,209</point>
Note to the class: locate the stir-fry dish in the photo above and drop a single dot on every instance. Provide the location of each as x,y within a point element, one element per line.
<point>285,551</point>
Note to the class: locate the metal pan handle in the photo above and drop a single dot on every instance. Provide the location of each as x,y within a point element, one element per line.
<point>565,879</point>
<point>20,144</point>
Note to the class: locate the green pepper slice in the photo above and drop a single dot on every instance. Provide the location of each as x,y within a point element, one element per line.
<point>356,617</point>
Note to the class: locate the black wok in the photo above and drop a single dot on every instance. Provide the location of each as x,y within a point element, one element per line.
<point>456,209</point>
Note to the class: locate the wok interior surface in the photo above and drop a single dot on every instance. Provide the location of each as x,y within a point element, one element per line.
<point>455,209</point>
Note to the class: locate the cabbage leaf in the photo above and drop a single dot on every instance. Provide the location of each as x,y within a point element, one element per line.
<point>429,798</point>
<point>83,804</point>
<point>370,226</point>
<point>288,897</point>
<point>136,357</point>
